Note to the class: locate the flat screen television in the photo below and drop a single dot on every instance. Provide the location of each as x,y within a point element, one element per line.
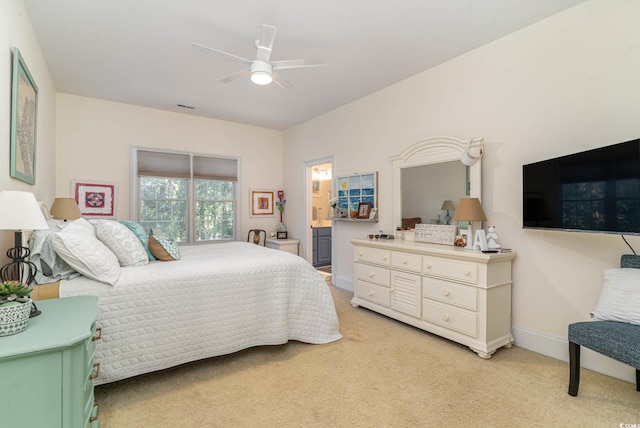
<point>592,191</point>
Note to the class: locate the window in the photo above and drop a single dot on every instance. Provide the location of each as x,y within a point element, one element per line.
<point>191,198</point>
<point>601,205</point>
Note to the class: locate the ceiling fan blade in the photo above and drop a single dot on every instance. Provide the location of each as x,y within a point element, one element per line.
<point>281,81</point>
<point>265,42</point>
<point>227,55</point>
<point>297,63</point>
<point>238,75</point>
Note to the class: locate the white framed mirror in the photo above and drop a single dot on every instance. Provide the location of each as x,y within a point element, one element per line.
<point>436,163</point>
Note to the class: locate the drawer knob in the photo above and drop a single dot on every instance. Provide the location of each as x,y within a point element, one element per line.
<point>360,254</point>
<point>370,293</point>
<point>384,258</point>
<point>96,371</point>
<point>98,334</point>
<point>445,292</point>
<point>467,273</point>
<point>445,317</point>
<point>370,274</point>
<point>96,412</point>
<point>405,262</point>
<point>427,266</point>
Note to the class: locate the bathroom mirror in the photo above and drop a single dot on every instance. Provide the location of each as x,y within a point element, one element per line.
<point>429,172</point>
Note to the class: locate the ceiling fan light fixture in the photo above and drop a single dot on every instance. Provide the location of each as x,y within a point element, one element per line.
<point>261,73</point>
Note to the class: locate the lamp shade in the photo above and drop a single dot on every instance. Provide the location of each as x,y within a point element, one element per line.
<point>20,211</point>
<point>447,205</point>
<point>65,209</point>
<point>469,209</point>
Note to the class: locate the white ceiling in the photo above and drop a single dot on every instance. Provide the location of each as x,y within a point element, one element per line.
<point>139,51</point>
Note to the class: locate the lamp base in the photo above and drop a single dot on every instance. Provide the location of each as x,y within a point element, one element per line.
<point>34,310</point>
<point>469,238</point>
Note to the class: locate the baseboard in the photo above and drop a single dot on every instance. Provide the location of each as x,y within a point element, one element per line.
<point>559,349</point>
<point>344,283</point>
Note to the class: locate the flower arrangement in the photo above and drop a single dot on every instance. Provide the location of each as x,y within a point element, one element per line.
<point>280,203</point>
<point>333,202</point>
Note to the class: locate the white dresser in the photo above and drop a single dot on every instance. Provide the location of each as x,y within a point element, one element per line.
<point>462,295</point>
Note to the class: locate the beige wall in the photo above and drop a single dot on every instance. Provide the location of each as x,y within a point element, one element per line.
<point>95,138</point>
<point>16,31</point>
<point>565,84</point>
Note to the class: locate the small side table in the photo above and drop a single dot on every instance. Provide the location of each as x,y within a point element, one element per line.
<point>288,245</point>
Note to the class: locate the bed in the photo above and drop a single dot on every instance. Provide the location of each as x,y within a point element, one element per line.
<point>215,300</point>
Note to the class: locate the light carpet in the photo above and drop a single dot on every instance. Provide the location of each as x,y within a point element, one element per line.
<point>381,374</point>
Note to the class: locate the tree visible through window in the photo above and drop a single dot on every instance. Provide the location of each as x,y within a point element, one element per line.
<point>163,205</point>
<point>214,210</point>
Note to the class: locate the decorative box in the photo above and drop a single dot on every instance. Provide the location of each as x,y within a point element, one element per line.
<point>436,233</point>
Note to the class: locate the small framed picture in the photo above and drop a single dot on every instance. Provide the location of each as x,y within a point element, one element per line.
<point>261,203</point>
<point>364,209</point>
<point>373,214</point>
<point>282,235</point>
<point>94,198</point>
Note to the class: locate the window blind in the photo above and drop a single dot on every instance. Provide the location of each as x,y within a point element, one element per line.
<point>162,164</point>
<point>210,168</point>
<point>159,164</point>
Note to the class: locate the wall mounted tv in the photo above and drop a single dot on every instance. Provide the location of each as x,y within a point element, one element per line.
<point>592,191</point>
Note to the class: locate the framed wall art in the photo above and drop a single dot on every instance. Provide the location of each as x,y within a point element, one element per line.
<point>24,119</point>
<point>262,203</point>
<point>95,199</point>
<point>354,189</point>
<point>364,208</point>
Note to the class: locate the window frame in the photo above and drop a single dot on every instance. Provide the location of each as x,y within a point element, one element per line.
<point>134,208</point>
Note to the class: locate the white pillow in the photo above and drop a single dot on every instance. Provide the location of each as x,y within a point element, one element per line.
<point>122,242</point>
<point>77,245</point>
<point>620,296</point>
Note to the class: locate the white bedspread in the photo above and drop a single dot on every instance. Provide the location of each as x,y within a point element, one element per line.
<point>217,299</point>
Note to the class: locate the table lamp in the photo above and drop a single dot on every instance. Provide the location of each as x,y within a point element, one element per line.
<point>65,209</point>
<point>19,211</point>
<point>469,209</point>
<point>447,206</point>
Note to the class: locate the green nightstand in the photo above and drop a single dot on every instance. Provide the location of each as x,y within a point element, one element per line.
<point>47,371</point>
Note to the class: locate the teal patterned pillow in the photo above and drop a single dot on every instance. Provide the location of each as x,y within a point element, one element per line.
<point>163,247</point>
<point>141,234</point>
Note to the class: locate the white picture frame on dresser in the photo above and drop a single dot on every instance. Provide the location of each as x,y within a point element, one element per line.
<point>461,295</point>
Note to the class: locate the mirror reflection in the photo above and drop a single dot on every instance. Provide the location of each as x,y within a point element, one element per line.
<point>425,188</point>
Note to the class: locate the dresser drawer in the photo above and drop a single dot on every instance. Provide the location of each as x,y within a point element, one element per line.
<point>371,255</point>
<point>450,317</point>
<point>467,272</point>
<point>412,262</point>
<point>372,292</point>
<point>375,274</point>
<point>450,293</point>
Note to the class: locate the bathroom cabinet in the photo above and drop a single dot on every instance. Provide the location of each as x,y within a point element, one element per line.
<point>321,246</point>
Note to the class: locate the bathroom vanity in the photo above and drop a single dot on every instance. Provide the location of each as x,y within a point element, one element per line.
<point>321,245</point>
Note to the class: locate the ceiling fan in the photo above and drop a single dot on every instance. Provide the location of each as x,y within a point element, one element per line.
<point>261,69</point>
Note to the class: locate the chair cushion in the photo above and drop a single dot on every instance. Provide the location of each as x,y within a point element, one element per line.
<point>617,340</point>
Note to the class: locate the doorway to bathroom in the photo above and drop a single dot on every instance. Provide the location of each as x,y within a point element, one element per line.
<point>319,213</point>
